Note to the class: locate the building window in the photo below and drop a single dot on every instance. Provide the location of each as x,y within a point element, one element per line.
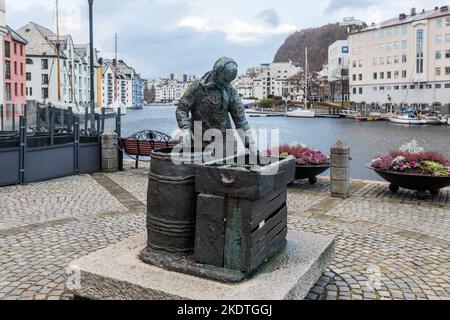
<point>438,86</point>
<point>438,39</point>
<point>381,75</point>
<point>360,90</point>
<point>15,49</point>
<point>396,74</point>
<point>419,50</point>
<point>404,74</point>
<point>396,59</point>
<point>396,88</point>
<point>389,74</point>
<point>447,71</point>
<point>412,87</point>
<point>447,21</point>
<point>45,79</point>
<point>397,45</point>
<point>447,54</point>
<point>354,77</point>
<point>44,64</point>
<point>404,44</point>
<point>438,55</point>
<point>44,93</point>
<point>404,58</point>
<point>404,29</point>
<point>7,49</point>
<point>8,70</point>
<point>360,63</point>
<point>438,23</point>
<point>21,89</point>
<point>21,69</point>
<point>389,60</point>
<point>447,86</point>
<point>15,67</point>
<point>354,90</point>
<point>29,61</point>
<point>447,38</point>
<point>375,76</point>
<point>16,89</point>
<point>382,88</point>
<point>21,50</point>
<point>8,91</point>
<point>438,71</point>
<point>360,77</point>
<point>28,76</point>
<point>375,88</point>
<point>31,91</point>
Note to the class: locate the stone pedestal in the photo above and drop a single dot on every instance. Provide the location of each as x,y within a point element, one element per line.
<point>118,273</point>
<point>110,161</point>
<point>340,170</point>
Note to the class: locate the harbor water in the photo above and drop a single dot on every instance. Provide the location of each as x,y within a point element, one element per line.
<point>366,139</point>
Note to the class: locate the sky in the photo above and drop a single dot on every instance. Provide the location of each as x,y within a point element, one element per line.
<point>159,37</point>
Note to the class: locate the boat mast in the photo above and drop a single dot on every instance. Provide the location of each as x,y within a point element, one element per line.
<point>306,77</point>
<point>58,51</point>
<point>115,68</point>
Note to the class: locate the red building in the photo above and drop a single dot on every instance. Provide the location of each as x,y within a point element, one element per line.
<point>14,69</point>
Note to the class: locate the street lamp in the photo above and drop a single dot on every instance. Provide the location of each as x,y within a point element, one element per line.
<point>91,48</point>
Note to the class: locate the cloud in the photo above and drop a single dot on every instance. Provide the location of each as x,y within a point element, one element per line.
<point>270,17</point>
<point>237,31</point>
<point>336,5</point>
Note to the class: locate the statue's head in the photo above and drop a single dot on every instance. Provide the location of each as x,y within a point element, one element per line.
<point>225,71</point>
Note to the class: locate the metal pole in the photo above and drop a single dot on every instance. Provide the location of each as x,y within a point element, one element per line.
<point>1,118</point>
<point>69,120</point>
<point>23,148</point>
<point>52,126</point>
<point>91,48</point>
<point>13,117</point>
<point>76,135</point>
<point>86,113</point>
<point>103,120</point>
<point>119,134</point>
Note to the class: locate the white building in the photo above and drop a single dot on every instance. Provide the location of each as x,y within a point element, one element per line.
<point>403,60</point>
<point>167,90</point>
<point>117,83</point>
<point>338,65</point>
<point>244,87</point>
<point>3,32</point>
<point>42,67</point>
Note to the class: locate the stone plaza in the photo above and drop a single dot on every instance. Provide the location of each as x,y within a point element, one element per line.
<point>387,246</point>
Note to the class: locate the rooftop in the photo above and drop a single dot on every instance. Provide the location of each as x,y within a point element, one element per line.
<point>413,16</point>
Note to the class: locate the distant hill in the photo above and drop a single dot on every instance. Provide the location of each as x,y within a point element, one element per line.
<point>316,39</point>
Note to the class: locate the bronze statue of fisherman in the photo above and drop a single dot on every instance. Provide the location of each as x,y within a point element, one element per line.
<point>211,100</point>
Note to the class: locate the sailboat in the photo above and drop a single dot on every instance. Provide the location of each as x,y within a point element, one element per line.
<point>303,113</point>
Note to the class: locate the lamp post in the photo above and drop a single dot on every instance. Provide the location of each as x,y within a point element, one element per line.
<point>91,48</point>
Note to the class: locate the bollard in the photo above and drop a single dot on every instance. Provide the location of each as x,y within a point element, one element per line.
<point>110,161</point>
<point>340,170</point>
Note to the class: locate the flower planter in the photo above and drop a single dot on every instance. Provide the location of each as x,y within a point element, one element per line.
<point>419,183</point>
<point>310,172</point>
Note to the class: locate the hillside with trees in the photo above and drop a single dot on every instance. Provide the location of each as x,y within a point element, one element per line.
<point>316,39</point>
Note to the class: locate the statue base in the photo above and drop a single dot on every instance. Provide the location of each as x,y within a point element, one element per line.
<point>118,273</point>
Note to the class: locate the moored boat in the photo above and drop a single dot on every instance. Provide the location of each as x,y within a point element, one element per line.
<point>301,113</point>
<point>408,120</point>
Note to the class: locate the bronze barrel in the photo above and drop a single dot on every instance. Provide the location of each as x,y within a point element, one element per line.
<point>171,198</point>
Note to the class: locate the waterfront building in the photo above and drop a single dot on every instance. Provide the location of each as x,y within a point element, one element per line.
<point>167,90</point>
<point>82,53</point>
<point>14,70</point>
<point>402,60</point>
<point>42,67</point>
<point>138,101</point>
<point>338,64</point>
<point>3,32</point>
<point>117,83</point>
<point>244,87</point>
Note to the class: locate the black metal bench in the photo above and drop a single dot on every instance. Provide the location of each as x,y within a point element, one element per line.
<point>142,143</point>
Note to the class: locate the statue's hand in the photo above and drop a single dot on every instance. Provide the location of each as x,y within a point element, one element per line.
<point>182,136</point>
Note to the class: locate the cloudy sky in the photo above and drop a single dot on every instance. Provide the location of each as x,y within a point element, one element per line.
<point>159,37</point>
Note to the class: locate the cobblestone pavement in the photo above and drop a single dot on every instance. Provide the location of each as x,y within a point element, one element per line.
<point>387,247</point>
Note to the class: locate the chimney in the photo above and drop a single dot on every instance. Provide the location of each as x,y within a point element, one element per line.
<point>413,12</point>
<point>444,8</point>
<point>402,16</point>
